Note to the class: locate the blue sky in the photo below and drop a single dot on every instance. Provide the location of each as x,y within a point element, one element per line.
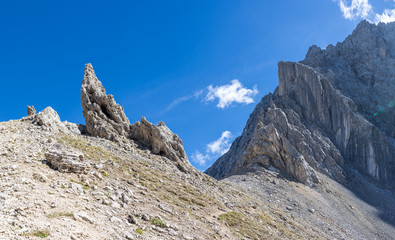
<point>199,66</point>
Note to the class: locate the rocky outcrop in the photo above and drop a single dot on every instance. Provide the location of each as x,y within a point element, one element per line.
<point>106,119</point>
<point>66,160</point>
<point>48,119</point>
<point>317,118</point>
<point>161,140</point>
<point>103,116</point>
<point>31,110</point>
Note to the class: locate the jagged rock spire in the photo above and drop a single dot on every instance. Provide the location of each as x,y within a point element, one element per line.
<point>104,117</point>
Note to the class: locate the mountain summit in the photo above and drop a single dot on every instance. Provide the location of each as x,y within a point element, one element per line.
<point>332,113</point>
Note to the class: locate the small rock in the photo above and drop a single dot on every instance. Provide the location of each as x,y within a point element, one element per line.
<point>165,208</point>
<point>40,177</point>
<point>115,205</point>
<point>115,219</point>
<point>145,217</point>
<point>172,232</point>
<point>289,208</point>
<point>83,216</point>
<point>129,236</point>
<point>132,219</point>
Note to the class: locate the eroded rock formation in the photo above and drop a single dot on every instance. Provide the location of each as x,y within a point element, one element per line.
<point>326,118</point>
<point>160,138</point>
<point>31,110</point>
<point>103,116</point>
<point>106,119</point>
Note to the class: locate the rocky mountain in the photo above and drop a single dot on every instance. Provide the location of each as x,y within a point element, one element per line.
<point>109,179</point>
<point>332,113</point>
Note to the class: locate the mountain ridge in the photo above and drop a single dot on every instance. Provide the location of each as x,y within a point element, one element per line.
<point>310,98</point>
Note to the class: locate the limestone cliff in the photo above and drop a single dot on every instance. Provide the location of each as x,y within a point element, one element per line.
<point>323,117</point>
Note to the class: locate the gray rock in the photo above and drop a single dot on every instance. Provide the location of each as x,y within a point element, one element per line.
<point>31,110</point>
<point>49,119</point>
<point>106,119</point>
<point>66,160</point>
<point>326,119</point>
<point>74,128</point>
<point>83,216</point>
<point>145,217</point>
<point>160,139</point>
<point>129,236</point>
<point>132,219</point>
<point>103,116</point>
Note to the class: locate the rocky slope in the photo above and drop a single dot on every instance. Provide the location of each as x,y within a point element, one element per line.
<point>325,115</point>
<point>113,180</point>
<point>110,179</point>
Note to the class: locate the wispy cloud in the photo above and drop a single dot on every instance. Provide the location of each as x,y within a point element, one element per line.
<point>362,9</point>
<point>179,100</point>
<point>213,149</point>
<point>229,93</point>
<point>199,158</point>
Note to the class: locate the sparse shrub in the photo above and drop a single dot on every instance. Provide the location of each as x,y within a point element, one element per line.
<point>158,222</point>
<point>41,233</point>
<point>60,214</point>
<point>139,231</point>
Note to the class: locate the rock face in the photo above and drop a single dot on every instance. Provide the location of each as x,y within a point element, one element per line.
<point>104,117</point>
<point>160,138</point>
<point>326,118</point>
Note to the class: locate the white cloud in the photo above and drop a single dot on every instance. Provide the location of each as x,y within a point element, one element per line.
<point>213,149</point>
<point>229,93</point>
<point>387,16</point>
<point>362,9</point>
<point>199,158</point>
<point>357,9</point>
<point>221,145</point>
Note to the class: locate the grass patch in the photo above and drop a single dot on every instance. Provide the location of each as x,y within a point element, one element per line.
<point>40,233</point>
<point>158,222</point>
<point>60,214</point>
<point>139,231</point>
<point>89,151</point>
<point>244,226</point>
<point>84,186</point>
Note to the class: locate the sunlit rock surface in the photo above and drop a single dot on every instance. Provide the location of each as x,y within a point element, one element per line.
<point>326,116</point>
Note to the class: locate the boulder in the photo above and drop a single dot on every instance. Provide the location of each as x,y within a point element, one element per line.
<point>66,160</point>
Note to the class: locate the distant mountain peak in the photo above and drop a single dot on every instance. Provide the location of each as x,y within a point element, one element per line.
<point>324,114</point>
